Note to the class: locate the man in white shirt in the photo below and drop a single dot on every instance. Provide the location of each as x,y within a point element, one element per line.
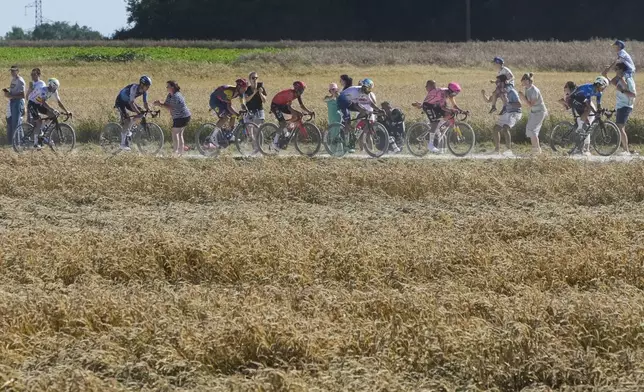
<point>16,95</point>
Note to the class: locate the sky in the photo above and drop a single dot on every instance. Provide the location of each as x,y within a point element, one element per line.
<point>104,16</point>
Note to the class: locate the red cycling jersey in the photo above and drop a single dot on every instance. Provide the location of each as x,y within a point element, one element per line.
<point>284,98</point>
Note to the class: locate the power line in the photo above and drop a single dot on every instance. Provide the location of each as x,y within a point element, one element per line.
<point>37,4</point>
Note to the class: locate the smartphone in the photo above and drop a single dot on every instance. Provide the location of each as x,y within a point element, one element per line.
<point>5,90</point>
<point>260,85</point>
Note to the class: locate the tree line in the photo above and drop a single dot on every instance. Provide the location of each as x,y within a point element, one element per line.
<point>382,20</point>
<point>54,31</point>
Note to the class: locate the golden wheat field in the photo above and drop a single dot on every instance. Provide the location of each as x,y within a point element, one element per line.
<point>154,274</point>
<point>131,273</point>
<point>90,90</point>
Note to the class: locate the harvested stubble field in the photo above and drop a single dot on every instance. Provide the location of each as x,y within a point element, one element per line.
<point>291,275</point>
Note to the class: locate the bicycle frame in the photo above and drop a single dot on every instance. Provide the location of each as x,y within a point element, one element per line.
<point>586,133</point>
<point>299,126</point>
<point>450,122</point>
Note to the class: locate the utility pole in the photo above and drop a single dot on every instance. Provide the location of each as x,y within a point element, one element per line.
<point>468,20</point>
<point>37,4</point>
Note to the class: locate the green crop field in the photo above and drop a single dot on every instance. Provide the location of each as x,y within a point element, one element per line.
<point>116,54</point>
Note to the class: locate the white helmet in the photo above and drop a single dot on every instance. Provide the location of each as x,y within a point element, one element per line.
<point>601,81</point>
<point>53,83</point>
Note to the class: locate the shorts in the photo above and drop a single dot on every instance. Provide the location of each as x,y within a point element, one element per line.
<point>535,121</point>
<point>180,122</point>
<point>279,111</point>
<point>509,119</point>
<point>255,116</point>
<point>125,107</point>
<point>346,107</point>
<point>434,112</point>
<point>622,115</point>
<point>35,110</point>
<point>220,107</point>
<point>578,104</point>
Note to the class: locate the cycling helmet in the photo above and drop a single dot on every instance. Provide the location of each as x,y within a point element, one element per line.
<point>498,60</point>
<point>368,83</point>
<point>53,83</point>
<point>145,80</point>
<point>241,83</point>
<point>601,81</point>
<point>454,87</point>
<point>299,86</point>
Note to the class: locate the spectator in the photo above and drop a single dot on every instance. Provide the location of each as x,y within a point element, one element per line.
<point>511,115</point>
<point>538,112</point>
<point>255,99</point>
<point>180,113</point>
<point>625,100</point>
<point>346,81</point>
<point>16,95</point>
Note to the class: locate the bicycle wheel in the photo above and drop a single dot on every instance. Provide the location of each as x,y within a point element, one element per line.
<point>336,141</point>
<point>149,138</point>
<point>605,138</point>
<point>23,138</point>
<point>110,138</point>
<point>62,139</point>
<point>460,139</point>
<point>562,137</point>
<point>246,139</point>
<point>267,134</point>
<point>375,140</point>
<point>207,140</point>
<point>418,139</point>
<point>308,139</point>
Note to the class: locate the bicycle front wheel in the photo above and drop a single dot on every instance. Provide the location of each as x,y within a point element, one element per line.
<point>562,137</point>
<point>110,138</point>
<point>308,139</point>
<point>268,134</point>
<point>246,139</point>
<point>460,139</point>
<point>149,138</point>
<point>418,139</point>
<point>375,140</point>
<point>336,141</point>
<point>24,138</point>
<point>63,139</point>
<point>605,138</point>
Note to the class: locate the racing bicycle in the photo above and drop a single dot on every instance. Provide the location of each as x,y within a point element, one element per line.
<point>305,134</point>
<point>147,135</point>
<point>211,140</point>
<point>455,133</point>
<point>603,135</point>
<point>58,135</point>
<point>371,136</point>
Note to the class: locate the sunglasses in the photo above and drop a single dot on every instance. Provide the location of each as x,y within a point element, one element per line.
<point>255,78</point>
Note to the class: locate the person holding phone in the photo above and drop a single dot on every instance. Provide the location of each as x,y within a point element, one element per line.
<point>16,95</point>
<point>255,99</point>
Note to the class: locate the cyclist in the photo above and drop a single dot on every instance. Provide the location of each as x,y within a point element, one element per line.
<point>282,104</point>
<point>359,99</point>
<point>221,103</point>
<point>38,105</point>
<point>581,102</point>
<point>435,107</point>
<point>125,102</point>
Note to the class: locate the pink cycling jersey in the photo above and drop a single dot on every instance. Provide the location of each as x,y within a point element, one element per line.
<point>437,96</point>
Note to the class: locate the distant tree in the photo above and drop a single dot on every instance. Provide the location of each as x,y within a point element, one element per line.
<point>65,31</point>
<point>17,34</point>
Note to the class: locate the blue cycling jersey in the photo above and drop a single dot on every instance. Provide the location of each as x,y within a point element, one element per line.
<point>132,92</point>
<point>587,91</point>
